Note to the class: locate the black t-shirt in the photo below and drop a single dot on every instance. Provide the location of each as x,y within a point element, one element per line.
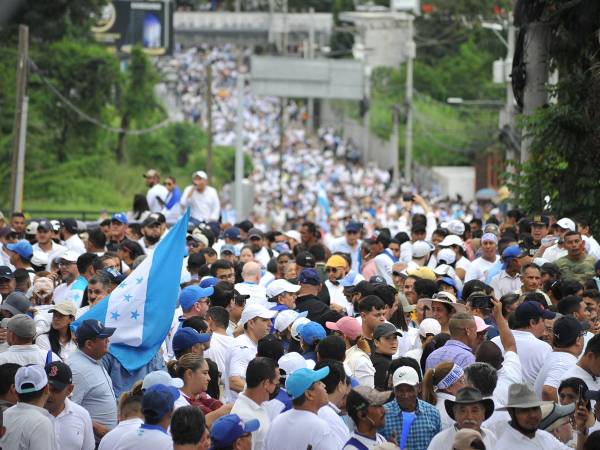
<point>381,364</point>
<point>315,307</point>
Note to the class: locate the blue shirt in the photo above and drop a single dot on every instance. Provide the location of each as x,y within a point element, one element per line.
<point>341,245</point>
<point>122,380</point>
<point>425,426</point>
<point>452,350</point>
<point>173,198</point>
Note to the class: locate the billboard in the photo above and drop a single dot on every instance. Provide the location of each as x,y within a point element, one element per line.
<point>125,23</point>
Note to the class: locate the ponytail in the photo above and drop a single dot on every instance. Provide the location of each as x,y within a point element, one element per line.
<point>189,361</point>
<point>130,403</point>
<point>361,342</point>
<point>431,378</point>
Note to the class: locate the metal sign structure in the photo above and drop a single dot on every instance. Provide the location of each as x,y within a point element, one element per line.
<point>304,78</point>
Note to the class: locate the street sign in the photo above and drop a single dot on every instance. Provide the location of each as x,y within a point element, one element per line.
<point>306,78</point>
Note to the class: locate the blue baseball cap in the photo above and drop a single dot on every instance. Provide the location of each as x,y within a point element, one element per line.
<point>193,294</point>
<point>120,217</point>
<point>309,276</point>
<point>92,329</point>
<point>529,310</point>
<point>350,280</point>
<point>207,282</point>
<point>22,248</point>
<point>228,429</point>
<point>231,249</point>
<point>159,400</point>
<point>353,227</point>
<point>232,233</point>
<point>509,253</point>
<point>311,332</point>
<point>299,381</point>
<point>187,337</point>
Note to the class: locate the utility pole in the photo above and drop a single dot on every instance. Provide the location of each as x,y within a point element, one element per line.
<point>536,75</point>
<point>209,127</point>
<point>284,43</point>
<point>20,126</point>
<point>283,102</point>
<point>408,145</point>
<point>311,55</point>
<point>394,141</point>
<point>509,108</point>
<point>366,107</point>
<point>239,146</point>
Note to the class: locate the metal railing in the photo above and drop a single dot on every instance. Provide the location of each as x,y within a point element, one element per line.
<point>85,216</point>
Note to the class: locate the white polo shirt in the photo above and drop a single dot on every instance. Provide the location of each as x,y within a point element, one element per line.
<point>220,346</point>
<point>551,373</point>
<point>248,409</point>
<point>28,427</point>
<point>333,416</point>
<point>73,428</point>
<point>445,438</point>
<point>532,353</point>
<point>509,438</point>
<point>297,430</point>
<point>110,439</point>
<point>242,352</point>
<point>156,191</point>
<point>24,355</point>
<point>592,383</point>
<point>146,437</point>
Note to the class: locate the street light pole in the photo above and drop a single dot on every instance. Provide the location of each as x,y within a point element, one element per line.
<point>408,144</point>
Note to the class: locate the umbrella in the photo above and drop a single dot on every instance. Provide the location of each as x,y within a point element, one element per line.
<point>486,194</point>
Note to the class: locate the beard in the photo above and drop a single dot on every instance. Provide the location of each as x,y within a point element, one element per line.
<point>152,239</point>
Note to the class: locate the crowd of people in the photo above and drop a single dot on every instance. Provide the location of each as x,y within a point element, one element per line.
<point>343,313</point>
<point>451,335</point>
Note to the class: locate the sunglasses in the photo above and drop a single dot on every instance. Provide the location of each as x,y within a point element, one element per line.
<point>331,269</point>
<point>397,274</point>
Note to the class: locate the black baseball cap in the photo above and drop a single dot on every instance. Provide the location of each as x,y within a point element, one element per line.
<point>92,329</point>
<point>550,268</point>
<point>45,225</point>
<point>5,272</point>
<point>59,375</point>
<point>385,329</point>
<point>538,219</point>
<point>305,259</point>
<point>70,225</point>
<point>527,311</point>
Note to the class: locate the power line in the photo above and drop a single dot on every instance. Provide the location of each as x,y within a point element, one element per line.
<point>85,116</point>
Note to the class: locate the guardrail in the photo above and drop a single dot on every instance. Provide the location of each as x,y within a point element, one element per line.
<point>85,216</point>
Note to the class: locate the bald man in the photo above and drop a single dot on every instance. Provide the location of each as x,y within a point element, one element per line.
<point>251,273</point>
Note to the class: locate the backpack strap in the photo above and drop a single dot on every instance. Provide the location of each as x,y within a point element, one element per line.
<point>356,443</point>
<point>49,357</point>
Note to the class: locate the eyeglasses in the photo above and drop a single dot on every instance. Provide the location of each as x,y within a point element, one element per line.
<point>65,263</point>
<point>397,274</point>
<point>95,291</point>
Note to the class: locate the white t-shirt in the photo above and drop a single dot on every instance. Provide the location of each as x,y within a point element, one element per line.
<point>55,250</point>
<point>532,353</point>
<point>248,409</point>
<point>332,415</point>
<point>155,192</point>
<point>366,441</point>
<point>147,437</point>
<point>509,438</point>
<point>220,346</point>
<point>479,268</point>
<point>75,244</point>
<point>242,352</point>
<point>551,373</point>
<point>110,439</point>
<point>205,206</point>
<point>297,430</point>
<point>336,296</point>
<point>578,372</point>
<point>445,439</point>
<point>446,420</point>
<point>551,254</point>
<point>73,428</point>
<point>66,350</point>
<point>257,293</point>
<point>511,372</point>
<point>361,366</point>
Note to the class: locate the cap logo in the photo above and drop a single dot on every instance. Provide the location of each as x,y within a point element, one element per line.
<point>53,371</point>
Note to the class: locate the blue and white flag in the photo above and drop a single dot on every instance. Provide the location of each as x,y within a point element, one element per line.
<point>323,208</point>
<point>141,308</point>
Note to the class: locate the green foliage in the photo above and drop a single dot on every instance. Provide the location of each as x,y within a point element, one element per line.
<point>565,136</point>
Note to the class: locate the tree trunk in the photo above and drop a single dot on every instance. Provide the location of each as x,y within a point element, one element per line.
<point>120,150</point>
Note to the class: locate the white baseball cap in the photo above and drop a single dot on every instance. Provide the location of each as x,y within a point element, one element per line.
<point>69,255</point>
<point>293,234</point>
<point>161,377</point>
<point>292,361</point>
<point>255,310</point>
<point>277,287</point>
<point>30,379</point>
<point>447,255</point>
<point>421,249</point>
<point>451,240</point>
<point>405,375</point>
<point>429,326</point>
<point>566,224</point>
<point>299,321</point>
<point>39,258</point>
<point>287,317</point>
<point>201,174</point>
<point>456,227</point>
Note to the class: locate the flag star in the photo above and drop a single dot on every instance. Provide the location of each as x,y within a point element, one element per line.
<point>127,297</point>
<point>115,315</point>
<point>123,284</point>
<point>134,314</point>
<point>139,280</point>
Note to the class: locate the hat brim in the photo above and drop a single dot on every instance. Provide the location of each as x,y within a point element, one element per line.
<point>488,404</point>
<point>458,307</point>
<point>58,385</point>
<point>11,309</point>
<point>391,333</point>
<point>251,425</point>
<point>64,313</point>
<point>107,332</point>
<point>524,405</point>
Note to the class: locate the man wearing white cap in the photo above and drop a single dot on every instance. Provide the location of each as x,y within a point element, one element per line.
<point>283,293</point>
<point>489,256</point>
<point>457,245</point>
<point>157,193</point>
<point>256,320</point>
<point>73,282</point>
<point>202,199</point>
<point>557,250</point>
<point>420,254</point>
<point>28,425</point>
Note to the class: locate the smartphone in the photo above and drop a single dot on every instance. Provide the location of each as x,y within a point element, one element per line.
<point>549,240</point>
<point>408,197</point>
<point>481,301</point>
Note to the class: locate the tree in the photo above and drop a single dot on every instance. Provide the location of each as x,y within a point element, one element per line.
<point>565,149</point>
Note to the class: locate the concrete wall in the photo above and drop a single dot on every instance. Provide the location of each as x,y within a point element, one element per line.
<point>456,180</point>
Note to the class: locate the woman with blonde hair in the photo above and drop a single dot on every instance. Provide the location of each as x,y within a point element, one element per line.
<point>193,370</point>
<point>441,383</point>
<point>357,350</point>
<point>130,416</point>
